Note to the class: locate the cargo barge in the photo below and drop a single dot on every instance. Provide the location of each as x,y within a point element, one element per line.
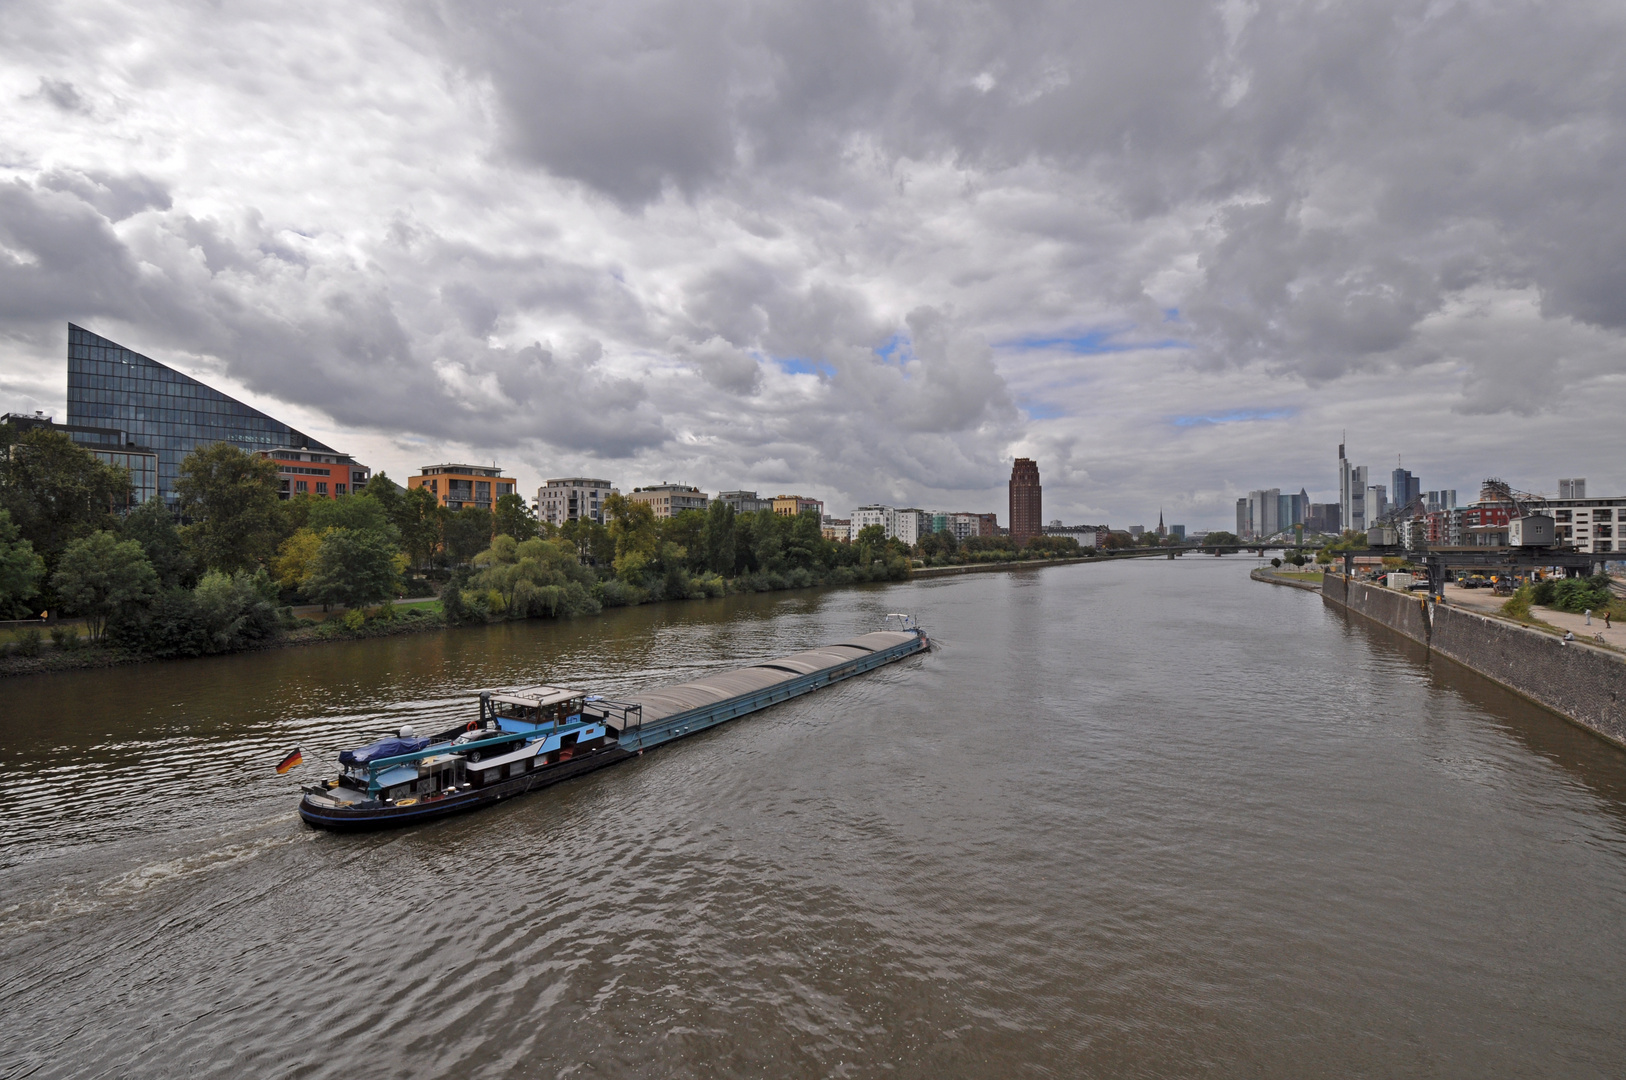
<point>532,737</point>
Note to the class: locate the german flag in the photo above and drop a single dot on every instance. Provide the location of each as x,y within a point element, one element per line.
<point>291,761</point>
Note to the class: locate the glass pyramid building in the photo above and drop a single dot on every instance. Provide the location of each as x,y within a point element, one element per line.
<point>111,387</point>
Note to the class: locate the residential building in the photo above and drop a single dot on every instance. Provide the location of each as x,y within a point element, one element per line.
<point>794,505</point>
<point>1137,531</point>
<point>874,514</point>
<point>1590,525</point>
<point>1484,523</point>
<point>160,409</point>
<point>839,529</point>
<point>1176,533</point>
<point>965,525</point>
<point>110,446</point>
<point>744,502</point>
<point>911,523</point>
<point>670,499</point>
<point>457,487</point>
<point>318,473</point>
<point>1027,501</point>
<point>572,498</point>
<point>1091,535</point>
<point>1572,489</point>
<point>1443,526</point>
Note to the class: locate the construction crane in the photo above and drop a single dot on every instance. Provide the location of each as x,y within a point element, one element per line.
<point>1524,503</point>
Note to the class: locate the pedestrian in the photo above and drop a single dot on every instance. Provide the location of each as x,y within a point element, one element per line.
<point>1606,624</point>
<point>1569,636</point>
<point>1588,614</point>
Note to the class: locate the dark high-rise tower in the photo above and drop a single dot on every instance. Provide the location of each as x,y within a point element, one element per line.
<point>1027,501</point>
<point>111,387</point>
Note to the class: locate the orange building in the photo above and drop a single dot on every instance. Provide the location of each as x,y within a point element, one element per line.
<point>459,486</point>
<point>323,474</point>
<point>792,505</point>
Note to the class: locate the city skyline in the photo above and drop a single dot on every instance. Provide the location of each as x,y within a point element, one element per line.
<point>1163,256</point>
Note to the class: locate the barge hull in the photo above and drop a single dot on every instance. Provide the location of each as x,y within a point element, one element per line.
<point>388,817</point>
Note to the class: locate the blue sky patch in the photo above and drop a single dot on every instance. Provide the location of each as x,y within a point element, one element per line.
<point>797,365</point>
<point>1234,416</point>
<point>897,349</point>
<point>1040,410</point>
<point>1091,343</point>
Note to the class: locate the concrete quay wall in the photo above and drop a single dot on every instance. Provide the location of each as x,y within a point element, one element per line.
<point>1582,684</point>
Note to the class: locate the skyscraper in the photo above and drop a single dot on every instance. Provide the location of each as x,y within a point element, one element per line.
<point>1405,488</point>
<point>1027,501</point>
<point>1351,493</point>
<point>111,387</point>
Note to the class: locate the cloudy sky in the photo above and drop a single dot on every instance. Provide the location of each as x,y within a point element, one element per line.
<point>865,251</point>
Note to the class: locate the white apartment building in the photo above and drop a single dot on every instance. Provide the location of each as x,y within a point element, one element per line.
<point>572,498</point>
<point>1588,524</point>
<point>908,524</point>
<point>669,499</point>
<point>912,523</point>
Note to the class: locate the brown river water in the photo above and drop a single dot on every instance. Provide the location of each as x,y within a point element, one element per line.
<point>1145,819</point>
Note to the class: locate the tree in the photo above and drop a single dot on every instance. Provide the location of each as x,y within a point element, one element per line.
<point>717,540</point>
<point>230,497</point>
<point>466,534</point>
<point>418,518</point>
<point>388,493</point>
<point>55,490</point>
<point>360,512</point>
<point>296,558</point>
<point>354,567</point>
<point>514,518</point>
<point>153,527</point>
<point>100,575</point>
<point>632,528</point>
<point>20,568</point>
<point>1220,538</point>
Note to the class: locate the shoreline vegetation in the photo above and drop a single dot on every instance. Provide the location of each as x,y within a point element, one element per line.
<point>221,570</point>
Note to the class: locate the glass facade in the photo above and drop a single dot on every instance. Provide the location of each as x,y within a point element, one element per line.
<point>107,445</point>
<point>158,407</point>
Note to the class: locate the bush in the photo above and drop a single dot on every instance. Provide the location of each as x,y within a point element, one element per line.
<point>65,638</point>
<point>354,619</point>
<point>28,642</point>
<point>1575,594</point>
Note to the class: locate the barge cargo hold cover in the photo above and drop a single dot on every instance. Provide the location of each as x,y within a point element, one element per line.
<point>647,720</point>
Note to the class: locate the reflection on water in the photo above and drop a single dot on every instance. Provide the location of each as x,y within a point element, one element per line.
<point>1145,819</point>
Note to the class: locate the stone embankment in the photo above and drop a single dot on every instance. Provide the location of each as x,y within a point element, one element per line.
<point>1584,685</point>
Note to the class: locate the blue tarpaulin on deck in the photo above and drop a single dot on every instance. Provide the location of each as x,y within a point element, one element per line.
<point>380,749</point>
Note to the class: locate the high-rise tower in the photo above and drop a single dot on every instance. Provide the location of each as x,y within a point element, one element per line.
<point>1027,501</point>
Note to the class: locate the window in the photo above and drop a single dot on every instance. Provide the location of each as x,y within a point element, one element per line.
<point>301,485</point>
<point>338,489</point>
<point>321,487</point>
<point>1603,515</point>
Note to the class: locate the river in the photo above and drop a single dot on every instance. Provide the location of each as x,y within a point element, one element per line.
<point>1138,819</point>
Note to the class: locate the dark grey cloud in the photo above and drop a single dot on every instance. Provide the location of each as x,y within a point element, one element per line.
<point>63,94</point>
